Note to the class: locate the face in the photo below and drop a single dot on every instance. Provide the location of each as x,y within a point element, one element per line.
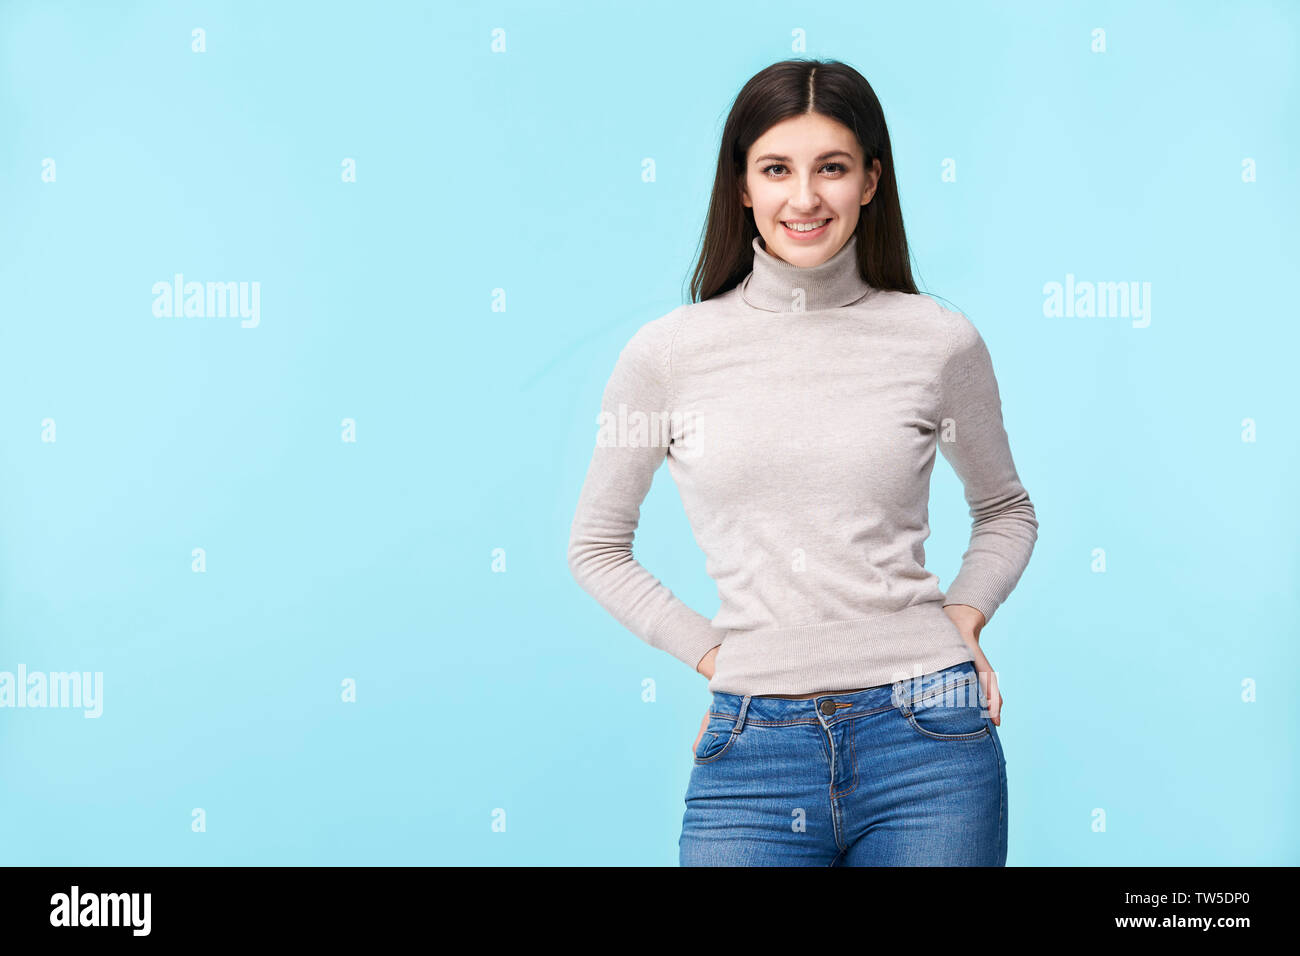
<point>808,169</point>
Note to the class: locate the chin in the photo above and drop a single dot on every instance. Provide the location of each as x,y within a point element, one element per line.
<point>811,253</point>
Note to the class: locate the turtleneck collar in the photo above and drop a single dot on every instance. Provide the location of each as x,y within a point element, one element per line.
<point>834,283</point>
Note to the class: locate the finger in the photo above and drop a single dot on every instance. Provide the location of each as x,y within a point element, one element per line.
<point>994,703</point>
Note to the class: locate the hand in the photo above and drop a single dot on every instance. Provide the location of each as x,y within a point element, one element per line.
<point>969,622</point>
<point>705,666</point>
<point>703,723</point>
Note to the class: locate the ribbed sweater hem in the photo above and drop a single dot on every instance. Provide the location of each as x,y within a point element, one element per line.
<point>839,655</point>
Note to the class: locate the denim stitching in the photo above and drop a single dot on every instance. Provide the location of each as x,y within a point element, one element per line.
<point>853,757</point>
<point>766,723</point>
<point>998,761</point>
<point>835,807</point>
<point>803,720</point>
<point>731,739</point>
<point>982,732</point>
<point>946,688</point>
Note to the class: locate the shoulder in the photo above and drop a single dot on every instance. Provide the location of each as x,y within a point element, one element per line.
<point>654,339</point>
<point>647,354</point>
<point>719,309</point>
<point>688,329</point>
<point>953,321</point>
<point>960,335</point>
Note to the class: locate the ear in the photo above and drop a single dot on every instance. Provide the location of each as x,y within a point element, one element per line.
<point>873,180</point>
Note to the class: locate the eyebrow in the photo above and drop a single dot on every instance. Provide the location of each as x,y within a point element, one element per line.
<point>786,159</point>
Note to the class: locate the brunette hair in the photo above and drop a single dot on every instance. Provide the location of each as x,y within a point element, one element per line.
<point>779,92</point>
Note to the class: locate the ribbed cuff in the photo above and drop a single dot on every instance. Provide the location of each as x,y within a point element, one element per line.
<point>685,634</point>
<point>982,598</point>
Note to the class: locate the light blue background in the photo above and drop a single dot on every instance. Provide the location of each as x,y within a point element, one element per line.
<point>522,171</point>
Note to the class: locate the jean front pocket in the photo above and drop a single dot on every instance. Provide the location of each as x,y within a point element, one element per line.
<point>717,737</point>
<point>953,708</point>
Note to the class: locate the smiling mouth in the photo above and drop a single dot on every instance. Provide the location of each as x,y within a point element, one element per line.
<point>804,226</point>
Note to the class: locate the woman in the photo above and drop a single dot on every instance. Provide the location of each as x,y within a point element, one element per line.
<point>798,401</point>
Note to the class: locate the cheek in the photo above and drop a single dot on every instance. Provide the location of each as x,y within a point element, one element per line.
<point>768,201</point>
<point>846,202</point>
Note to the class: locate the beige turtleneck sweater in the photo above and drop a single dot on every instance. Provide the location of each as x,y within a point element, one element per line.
<point>799,414</point>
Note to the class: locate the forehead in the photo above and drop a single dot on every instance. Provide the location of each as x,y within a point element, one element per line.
<point>805,138</point>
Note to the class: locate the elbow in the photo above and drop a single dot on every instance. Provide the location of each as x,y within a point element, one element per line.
<point>583,553</point>
<point>577,558</point>
<point>1022,513</point>
<point>597,563</point>
<point>1027,518</point>
<point>1016,512</point>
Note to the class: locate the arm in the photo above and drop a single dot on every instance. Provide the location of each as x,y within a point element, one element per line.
<point>609,507</point>
<point>1004,526</point>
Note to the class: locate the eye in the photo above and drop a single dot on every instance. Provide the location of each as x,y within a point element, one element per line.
<point>767,170</point>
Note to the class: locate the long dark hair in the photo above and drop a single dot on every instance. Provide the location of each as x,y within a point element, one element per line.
<point>779,92</point>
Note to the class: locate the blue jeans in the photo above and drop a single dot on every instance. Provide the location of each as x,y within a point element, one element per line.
<point>904,774</point>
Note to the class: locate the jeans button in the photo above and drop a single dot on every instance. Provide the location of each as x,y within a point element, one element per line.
<point>827,707</point>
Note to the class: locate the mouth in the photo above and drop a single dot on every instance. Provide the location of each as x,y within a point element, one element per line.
<point>804,229</point>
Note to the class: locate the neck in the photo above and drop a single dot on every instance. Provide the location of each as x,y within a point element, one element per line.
<point>775,285</point>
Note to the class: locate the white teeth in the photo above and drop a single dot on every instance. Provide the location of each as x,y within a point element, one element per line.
<point>805,226</point>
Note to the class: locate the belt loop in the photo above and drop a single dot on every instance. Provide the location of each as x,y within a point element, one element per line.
<point>740,718</point>
<point>900,699</point>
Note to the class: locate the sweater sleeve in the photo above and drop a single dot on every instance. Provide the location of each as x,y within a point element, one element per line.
<point>971,436</point>
<point>609,507</point>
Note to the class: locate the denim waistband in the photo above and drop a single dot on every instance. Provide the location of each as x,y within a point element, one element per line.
<point>828,708</point>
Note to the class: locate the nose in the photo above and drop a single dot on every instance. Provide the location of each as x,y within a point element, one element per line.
<point>805,199</point>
